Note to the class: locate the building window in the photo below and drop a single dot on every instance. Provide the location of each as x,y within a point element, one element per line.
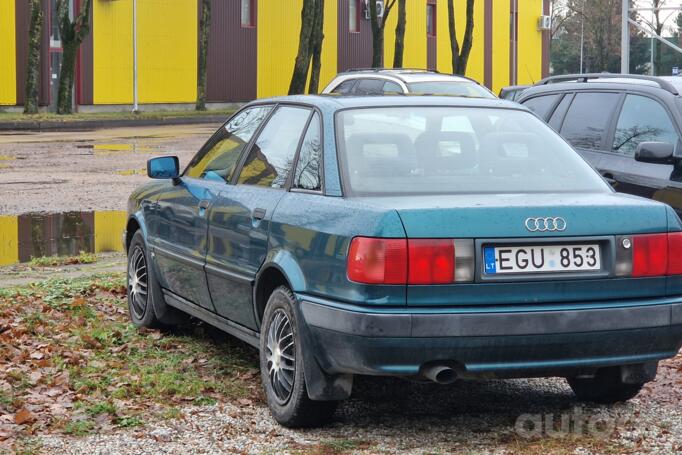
<point>248,13</point>
<point>431,19</point>
<point>353,16</point>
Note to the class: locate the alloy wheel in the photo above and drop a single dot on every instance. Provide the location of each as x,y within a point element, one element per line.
<point>138,283</point>
<point>281,356</point>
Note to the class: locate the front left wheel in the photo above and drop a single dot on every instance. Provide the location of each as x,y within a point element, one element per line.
<point>146,304</point>
<point>282,366</point>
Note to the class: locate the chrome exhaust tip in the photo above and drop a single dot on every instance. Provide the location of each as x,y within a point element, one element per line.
<point>441,374</point>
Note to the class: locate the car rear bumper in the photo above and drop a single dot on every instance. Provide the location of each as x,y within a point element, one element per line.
<point>492,344</point>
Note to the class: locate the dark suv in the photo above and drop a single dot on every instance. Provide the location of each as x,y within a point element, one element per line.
<point>628,127</point>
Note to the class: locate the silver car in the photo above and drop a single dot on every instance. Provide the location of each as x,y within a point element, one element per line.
<point>383,81</point>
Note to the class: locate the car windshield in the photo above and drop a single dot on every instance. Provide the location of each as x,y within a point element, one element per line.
<point>450,88</point>
<point>452,150</point>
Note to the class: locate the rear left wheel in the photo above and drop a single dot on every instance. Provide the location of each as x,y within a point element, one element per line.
<point>282,367</point>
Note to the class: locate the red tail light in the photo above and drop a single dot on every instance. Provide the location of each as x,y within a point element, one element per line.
<point>675,253</point>
<point>414,261</point>
<point>650,255</point>
<point>377,261</point>
<point>431,261</point>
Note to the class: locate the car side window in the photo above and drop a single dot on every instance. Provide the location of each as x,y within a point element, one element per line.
<point>345,87</point>
<point>560,112</point>
<point>272,156</point>
<point>218,159</point>
<point>308,174</point>
<point>541,105</point>
<point>369,87</point>
<point>391,87</point>
<point>588,118</point>
<point>642,119</point>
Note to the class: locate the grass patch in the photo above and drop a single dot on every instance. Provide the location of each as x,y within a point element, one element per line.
<point>53,261</point>
<point>52,117</point>
<point>74,348</point>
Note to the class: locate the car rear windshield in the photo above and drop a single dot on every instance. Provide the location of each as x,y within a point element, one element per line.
<point>452,150</point>
<point>468,89</point>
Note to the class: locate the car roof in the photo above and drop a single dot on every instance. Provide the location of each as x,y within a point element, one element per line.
<point>605,81</point>
<point>406,75</point>
<point>335,102</point>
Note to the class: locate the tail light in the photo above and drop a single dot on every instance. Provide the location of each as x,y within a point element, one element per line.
<point>410,261</point>
<point>649,255</point>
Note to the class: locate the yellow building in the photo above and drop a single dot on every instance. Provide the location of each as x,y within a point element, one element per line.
<point>253,44</point>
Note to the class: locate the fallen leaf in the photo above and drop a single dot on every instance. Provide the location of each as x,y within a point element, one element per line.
<point>23,416</point>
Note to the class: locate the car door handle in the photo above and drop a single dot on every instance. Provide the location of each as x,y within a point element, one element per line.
<point>609,178</point>
<point>258,213</point>
<point>203,206</point>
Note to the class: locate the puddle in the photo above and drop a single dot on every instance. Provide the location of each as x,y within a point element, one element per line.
<point>34,235</point>
<point>132,172</point>
<point>7,158</point>
<point>107,149</point>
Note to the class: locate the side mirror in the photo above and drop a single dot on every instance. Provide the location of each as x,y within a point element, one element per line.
<point>163,167</point>
<point>655,152</point>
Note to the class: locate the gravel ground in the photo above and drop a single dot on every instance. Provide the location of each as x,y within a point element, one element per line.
<point>394,416</point>
<point>92,170</point>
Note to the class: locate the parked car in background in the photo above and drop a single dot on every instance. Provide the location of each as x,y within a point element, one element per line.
<point>628,127</point>
<point>388,81</point>
<point>439,238</point>
<point>513,92</point>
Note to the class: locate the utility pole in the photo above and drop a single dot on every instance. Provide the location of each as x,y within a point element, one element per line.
<point>625,38</point>
<point>135,101</point>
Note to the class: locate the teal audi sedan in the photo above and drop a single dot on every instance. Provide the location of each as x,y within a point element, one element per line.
<point>421,237</point>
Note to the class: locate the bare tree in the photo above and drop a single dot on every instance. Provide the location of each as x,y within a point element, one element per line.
<point>204,35</point>
<point>460,55</point>
<point>35,34</point>
<point>400,34</point>
<point>316,39</point>
<point>300,76</point>
<point>72,35</point>
<point>378,25</point>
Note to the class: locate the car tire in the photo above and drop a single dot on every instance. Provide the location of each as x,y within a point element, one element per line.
<point>606,387</point>
<point>144,293</point>
<point>282,366</point>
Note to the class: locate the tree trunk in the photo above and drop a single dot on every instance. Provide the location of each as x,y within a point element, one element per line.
<point>72,35</point>
<point>35,38</point>
<point>204,31</point>
<point>468,39</point>
<point>317,37</point>
<point>377,36</point>
<point>400,34</point>
<point>460,56</point>
<point>300,76</point>
<point>65,90</point>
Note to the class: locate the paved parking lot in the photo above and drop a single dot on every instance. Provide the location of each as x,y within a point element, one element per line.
<point>90,170</point>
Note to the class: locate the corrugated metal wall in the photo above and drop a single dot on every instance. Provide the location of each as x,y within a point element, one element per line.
<point>84,83</point>
<point>530,44</point>
<point>8,69</point>
<point>112,54</point>
<point>355,48</point>
<point>232,55</point>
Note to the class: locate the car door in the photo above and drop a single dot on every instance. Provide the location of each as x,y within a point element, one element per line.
<point>645,119</point>
<point>587,123</point>
<point>240,219</point>
<point>178,229</point>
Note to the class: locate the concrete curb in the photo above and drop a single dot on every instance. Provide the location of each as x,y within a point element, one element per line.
<point>81,125</point>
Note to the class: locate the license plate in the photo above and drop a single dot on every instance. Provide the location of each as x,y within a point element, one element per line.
<point>541,258</point>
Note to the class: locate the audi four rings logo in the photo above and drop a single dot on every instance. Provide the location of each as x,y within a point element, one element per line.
<point>546,224</point>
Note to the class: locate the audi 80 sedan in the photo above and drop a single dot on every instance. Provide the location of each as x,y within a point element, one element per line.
<point>428,237</point>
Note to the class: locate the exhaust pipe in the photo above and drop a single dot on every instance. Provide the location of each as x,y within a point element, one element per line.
<point>442,374</point>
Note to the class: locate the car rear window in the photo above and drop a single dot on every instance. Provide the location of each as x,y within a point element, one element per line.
<point>468,89</point>
<point>451,150</point>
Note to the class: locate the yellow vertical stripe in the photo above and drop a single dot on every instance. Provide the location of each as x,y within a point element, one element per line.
<point>112,52</point>
<point>8,70</point>
<point>530,42</point>
<point>9,240</point>
<point>415,52</point>
<point>279,26</point>
<point>109,227</point>
<point>444,55</point>
<point>501,36</point>
<point>167,51</point>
